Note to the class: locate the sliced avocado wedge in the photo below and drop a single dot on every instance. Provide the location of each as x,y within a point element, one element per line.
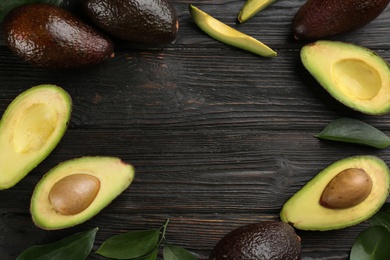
<point>251,8</point>
<point>78,189</point>
<point>306,209</point>
<point>228,35</point>
<point>352,74</point>
<point>30,128</point>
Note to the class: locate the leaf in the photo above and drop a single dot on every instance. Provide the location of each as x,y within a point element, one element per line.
<point>132,244</point>
<point>382,217</point>
<point>385,208</point>
<point>150,256</point>
<point>8,5</point>
<point>354,131</point>
<point>75,247</point>
<point>371,244</point>
<point>172,252</point>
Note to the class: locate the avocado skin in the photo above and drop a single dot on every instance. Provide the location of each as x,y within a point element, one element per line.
<point>319,19</point>
<point>51,37</point>
<point>139,21</point>
<point>259,241</point>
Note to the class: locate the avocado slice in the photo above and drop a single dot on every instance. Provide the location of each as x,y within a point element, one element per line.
<point>30,128</point>
<point>305,209</point>
<point>78,189</point>
<point>251,8</point>
<point>228,35</point>
<point>352,74</point>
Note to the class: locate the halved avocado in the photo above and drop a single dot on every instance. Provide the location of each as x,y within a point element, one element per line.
<point>30,128</point>
<point>305,209</point>
<point>352,74</point>
<point>78,189</point>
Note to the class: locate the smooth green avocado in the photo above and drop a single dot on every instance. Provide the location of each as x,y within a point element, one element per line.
<point>78,189</point>
<point>30,128</point>
<point>352,74</point>
<point>307,210</point>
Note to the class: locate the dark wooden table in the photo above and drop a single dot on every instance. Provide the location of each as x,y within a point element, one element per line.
<point>219,137</point>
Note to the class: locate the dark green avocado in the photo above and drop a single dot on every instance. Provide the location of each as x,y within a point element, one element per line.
<point>261,241</point>
<point>49,36</point>
<point>321,19</point>
<point>139,21</point>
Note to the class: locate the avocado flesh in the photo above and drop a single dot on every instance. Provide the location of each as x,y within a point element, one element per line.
<point>304,211</point>
<point>354,75</point>
<point>31,127</point>
<point>251,8</point>
<point>228,35</point>
<point>114,177</point>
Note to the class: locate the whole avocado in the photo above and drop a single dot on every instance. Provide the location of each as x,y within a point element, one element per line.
<point>139,21</point>
<point>320,19</point>
<point>265,240</point>
<point>49,36</point>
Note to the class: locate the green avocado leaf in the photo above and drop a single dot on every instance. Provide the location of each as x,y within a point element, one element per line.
<point>172,252</point>
<point>354,131</point>
<point>8,5</point>
<point>76,247</point>
<point>129,245</point>
<point>371,244</point>
<point>382,217</point>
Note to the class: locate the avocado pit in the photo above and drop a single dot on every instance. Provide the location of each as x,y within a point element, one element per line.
<point>347,189</point>
<point>74,193</point>
<point>357,79</point>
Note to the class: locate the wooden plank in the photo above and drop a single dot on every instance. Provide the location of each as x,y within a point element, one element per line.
<point>219,137</point>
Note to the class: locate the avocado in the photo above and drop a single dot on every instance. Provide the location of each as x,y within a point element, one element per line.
<point>139,21</point>
<point>228,35</point>
<point>78,189</point>
<point>319,19</point>
<point>354,75</point>
<point>346,193</point>
<point>261,241</point>
<point>30,128</point>
<point>251,8</point>
<point>51,37</point>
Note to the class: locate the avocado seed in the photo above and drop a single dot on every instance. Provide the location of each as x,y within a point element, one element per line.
<point>347,189</point>
<point>74,193</point>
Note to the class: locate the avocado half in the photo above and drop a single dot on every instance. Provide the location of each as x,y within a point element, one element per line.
<point>304,211</point>
<point>352,74</point>
<point>78,189</point>
<point>30,128</point>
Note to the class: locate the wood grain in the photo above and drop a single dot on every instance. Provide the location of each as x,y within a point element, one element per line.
<point>219,137</point>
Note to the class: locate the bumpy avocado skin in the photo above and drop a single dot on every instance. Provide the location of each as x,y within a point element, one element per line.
<point>320,19</point>
<point>51,37</point>
<point>139,21</point>
<point>262,241</point>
